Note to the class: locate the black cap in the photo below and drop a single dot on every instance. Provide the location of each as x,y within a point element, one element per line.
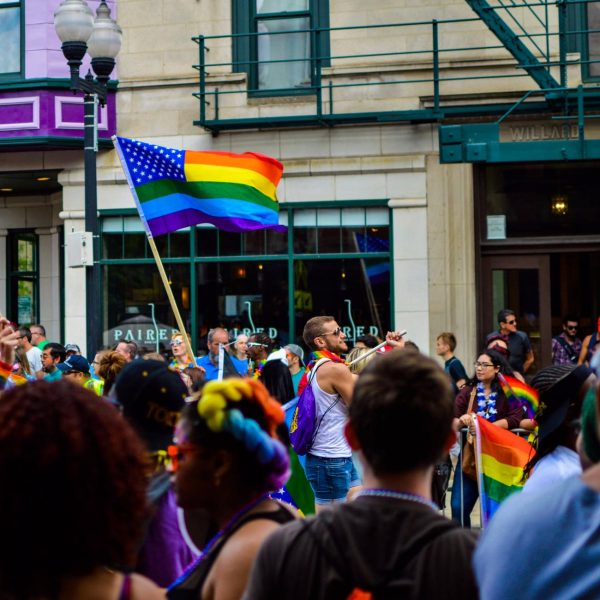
<point>152,397</point>
<point>555,401</point>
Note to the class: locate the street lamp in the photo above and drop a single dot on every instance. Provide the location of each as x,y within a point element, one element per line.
<point>101,37</point>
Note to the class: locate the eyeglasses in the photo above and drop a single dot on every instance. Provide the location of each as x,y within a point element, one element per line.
<point>335,332</point>
<point>256,344</point>
<point>177,452</point>
<point>482,365</point>
<point>513,322</point>
<point>176,342</point>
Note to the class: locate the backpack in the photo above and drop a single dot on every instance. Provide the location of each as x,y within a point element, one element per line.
<point>304,426</point>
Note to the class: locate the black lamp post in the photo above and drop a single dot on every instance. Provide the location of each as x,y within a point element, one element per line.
<point>101,38</point>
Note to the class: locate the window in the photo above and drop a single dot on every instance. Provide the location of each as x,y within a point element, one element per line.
<point>23,276</point>
<point>332,260</point>
<point>10,34</point>
<point>281,43</point>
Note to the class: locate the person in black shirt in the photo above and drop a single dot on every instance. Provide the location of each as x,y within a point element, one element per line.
<point>390,541</point>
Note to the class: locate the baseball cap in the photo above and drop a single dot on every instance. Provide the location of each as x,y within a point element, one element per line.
<point>297,350</point>
<point>152,397</point>
<point>72,348</point>
<point>75,363</point>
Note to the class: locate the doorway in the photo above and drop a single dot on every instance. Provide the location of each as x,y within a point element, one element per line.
<point>542,289</point>
<point>521,283</point>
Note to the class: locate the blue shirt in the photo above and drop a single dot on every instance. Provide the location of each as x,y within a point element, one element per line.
<point>241,366</point>
<point>212,371</point>
<point>542,544</point>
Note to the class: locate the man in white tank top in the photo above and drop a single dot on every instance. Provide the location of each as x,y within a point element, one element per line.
<point>329,466</point>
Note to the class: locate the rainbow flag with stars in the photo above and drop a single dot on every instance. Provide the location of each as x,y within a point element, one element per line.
<point>175,188</point>
<point>501,458</point>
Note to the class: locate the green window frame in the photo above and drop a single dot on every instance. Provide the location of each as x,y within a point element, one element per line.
<point>23,290</point>
<point>248,27</point>
<point>584,20</point>
<point>13,39</point>
<point>330,232</point>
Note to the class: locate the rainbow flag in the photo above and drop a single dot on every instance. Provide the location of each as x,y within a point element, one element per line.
<point>501,458</point>
<point>521,392</point>
<point>7,374</point>
<point>174,188</point>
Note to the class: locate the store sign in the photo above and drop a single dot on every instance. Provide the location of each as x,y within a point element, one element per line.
<point>141,330</point>
<point>270,331</point>
<point>348,331</point>
<point>543,130</point>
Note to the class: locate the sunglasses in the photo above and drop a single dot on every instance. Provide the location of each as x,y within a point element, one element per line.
<point>177,453</point>
<point>335,332</point>
<point>511,322</point>
<point>176,342</point>
<point>256,344</point>
<point>572,328</point>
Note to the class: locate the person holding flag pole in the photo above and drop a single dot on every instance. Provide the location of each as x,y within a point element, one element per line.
<point>174,188</point>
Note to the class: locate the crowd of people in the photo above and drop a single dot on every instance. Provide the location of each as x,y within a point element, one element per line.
<point>141,476</point>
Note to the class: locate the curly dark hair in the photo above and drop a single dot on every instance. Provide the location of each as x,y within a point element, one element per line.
<point>73,494</point>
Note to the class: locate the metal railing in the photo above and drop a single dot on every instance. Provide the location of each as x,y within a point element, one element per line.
<point>457,482</point>
<point>421,71</point>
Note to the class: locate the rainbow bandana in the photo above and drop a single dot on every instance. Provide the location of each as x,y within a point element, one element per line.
<point>313,359</point>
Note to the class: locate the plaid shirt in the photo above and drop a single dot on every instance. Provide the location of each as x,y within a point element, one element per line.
<point>559,354</point>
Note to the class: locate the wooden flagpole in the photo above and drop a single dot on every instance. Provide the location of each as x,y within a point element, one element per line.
<point>157,259</point>
<point>172,302</point>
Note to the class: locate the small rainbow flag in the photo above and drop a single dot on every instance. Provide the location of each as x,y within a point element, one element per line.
<point>7,373</point>
<point>175,188</point>
<point>521,392</point>
<point>501,458</point>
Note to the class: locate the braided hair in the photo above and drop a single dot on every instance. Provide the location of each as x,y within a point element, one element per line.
<point>241,416</point>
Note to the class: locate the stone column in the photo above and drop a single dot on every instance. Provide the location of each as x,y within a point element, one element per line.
<point>410,260</point>
<point>49,280</point>
<point>74,281</point>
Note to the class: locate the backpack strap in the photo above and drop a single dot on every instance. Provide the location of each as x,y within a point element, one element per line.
<point>567,348</point>
<point>418,545</point>
<point>311,376</point>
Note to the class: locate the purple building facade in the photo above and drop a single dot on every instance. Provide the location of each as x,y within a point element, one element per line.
<point>37,108</point>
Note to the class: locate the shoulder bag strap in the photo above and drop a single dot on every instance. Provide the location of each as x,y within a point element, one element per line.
<point>472,399</point>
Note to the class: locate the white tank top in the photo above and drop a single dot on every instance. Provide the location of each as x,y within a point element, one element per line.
<point>329,441</point>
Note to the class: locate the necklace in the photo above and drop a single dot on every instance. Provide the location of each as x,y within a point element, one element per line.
<point>383,493</point>
<point>213,540</point>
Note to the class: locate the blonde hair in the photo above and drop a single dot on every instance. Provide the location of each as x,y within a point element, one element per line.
<point>361,364</point>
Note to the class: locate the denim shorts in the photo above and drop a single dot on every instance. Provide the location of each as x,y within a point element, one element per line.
<point>331,478</point>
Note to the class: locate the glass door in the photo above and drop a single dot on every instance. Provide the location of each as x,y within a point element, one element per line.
<point>522,284</point>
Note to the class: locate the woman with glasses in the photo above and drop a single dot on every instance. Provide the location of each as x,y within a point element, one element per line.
<point>227,459</point>
<point>181,359</point>
<point>484,397</point>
